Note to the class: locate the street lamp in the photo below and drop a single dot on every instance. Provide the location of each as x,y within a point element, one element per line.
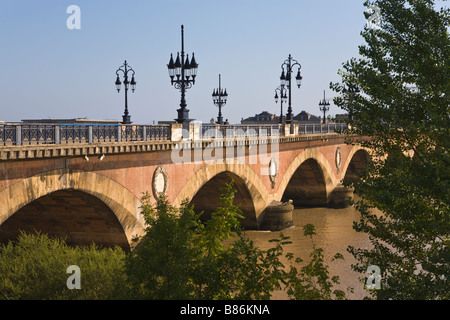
<point>125,69</point>
<point>220,99</point>
<point>182,75</point>
<point>286,77</point>
<point>283,99</point>
<point>324,106</point>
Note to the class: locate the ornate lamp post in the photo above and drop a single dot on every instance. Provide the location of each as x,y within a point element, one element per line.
<point>185,72</point>
<point>286,77</point>
<point>324,106</point>
<point>283,99</point>
<point>125,69</point>
<point>220,99</point>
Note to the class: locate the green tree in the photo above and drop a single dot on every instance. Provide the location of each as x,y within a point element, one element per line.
<point>181,257</point>
<point>403,107</point>
<point>35,267</point>
<point>160,266</point>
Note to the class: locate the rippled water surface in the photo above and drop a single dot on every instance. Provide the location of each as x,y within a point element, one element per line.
<point>334,233</point>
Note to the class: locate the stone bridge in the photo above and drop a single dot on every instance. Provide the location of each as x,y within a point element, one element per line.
<point>88,188</point>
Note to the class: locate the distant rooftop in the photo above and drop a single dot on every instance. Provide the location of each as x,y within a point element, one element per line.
<point>72,121</point>
<point>267,117</point>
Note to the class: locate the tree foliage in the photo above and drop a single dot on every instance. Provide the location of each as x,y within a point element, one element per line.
<point>181,257</point>
<point>35,267</point>
<point>403,76</point>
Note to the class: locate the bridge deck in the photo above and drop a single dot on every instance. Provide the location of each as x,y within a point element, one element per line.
<point>37,151</point>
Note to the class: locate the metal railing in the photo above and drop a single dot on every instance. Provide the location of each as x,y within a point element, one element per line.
<point>320,128</point>
<point>217,131</point>
<point>36,134</point>
<point>223,131</point>
<point>30,134</point>
<point>145,132</point>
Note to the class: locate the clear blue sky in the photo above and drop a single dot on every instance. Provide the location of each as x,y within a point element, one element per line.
<point>49,71</point>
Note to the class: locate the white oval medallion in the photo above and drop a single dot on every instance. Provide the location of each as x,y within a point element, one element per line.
<point>338,159</point>
<point>273,171</point>
<point>160,182</point>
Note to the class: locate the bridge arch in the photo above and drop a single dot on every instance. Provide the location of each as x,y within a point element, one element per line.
<point>315,165</point>
<point>355,162</point>
<point>92,187</point>
<point>252,194</point>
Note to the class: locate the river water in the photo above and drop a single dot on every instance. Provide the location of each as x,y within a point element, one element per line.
<point>334,233</point>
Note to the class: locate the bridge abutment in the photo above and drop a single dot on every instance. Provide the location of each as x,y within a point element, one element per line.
<point>277,216</point>
<point>339,197</point>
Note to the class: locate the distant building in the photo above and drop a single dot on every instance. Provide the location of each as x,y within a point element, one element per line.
<point>269,118</point>
<point>305,117</point>
<point>263,117</point>
<point>71,121</point>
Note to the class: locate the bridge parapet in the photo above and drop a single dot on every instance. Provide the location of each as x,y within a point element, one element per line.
<point>19,141</point>
<point>17,134</point>
<point>286,130</point>
<point>27,134</point>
